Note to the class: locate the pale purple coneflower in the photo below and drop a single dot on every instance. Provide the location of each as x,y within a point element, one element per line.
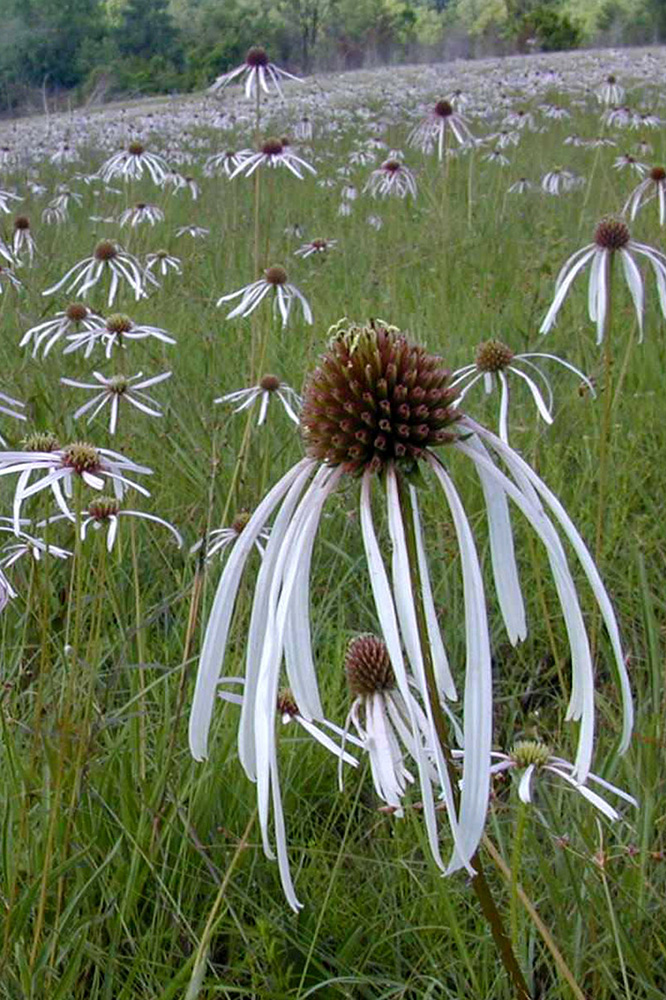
<point>9,406</point>
<point>494,360</point>
<point>196,232</point>
<point>521,186</point>
<point>629,162</point>
<point>220,539</point>
<point>534,758</point>
<point>7,277</point>
<point>23,242</point>
<point>224,162</point>
<point>108,259</point>
<point>275,279</point>
<point>61,466</point>
<point>113,390</point>
<point>610,92</point>
<point>391,178</point>
<point>64,154</point>
<point>105,512</point>
<point>557,181</point>
<point>258,72</point>
<point>315,248</point>
<point>611,237</point>
<point>272,153</point>
<point>497,157</point>
<point>303,130</point>
<point>651,187</point>
<point>140,213</point>
<point>378,403</point>
<point>76,318</point>
<point>164,262</point>
<point>6,197</point>
<point>434,129</point>
<point>131,163</point>
<point>117,330</point>
<point>268,386</point>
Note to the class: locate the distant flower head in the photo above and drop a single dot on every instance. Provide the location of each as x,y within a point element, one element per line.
<point>272,153</point>
<point>140,213</point>
<point>610,92</point>
<point>315,248</point>
<point>435,128</point>
<point>653,186</point>
<point>108,259</point>
<point>392,178</point>
<point>275,280</point>
<point>77,317</point>
<point>113,390</point>
<point>258,71</point>
<point>131,163</point>
<point>611,237</point>
<point>268,386</point>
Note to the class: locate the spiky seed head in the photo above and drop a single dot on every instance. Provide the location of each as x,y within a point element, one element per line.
<point>658,175</point>
<point>611,234</point>
<point>526,752</point>
<point>102,508</point>
<point>493,356</point>
<point>76,312</point>
<point>21,222</point>
<point>610,78</point>
<point>368,666</point>
<point>105,250</point>
<point>81,456</point>
<point>136,148</point>
<point>239,523</point>
<point>140,206</point>
<point>118,384</point>
<point>276,275</point>
<point>286,705</point>
<point>161,254</point>
<point>376,398</point>
<point>391,166</point>
<point>40,441</point>
<point>271,147</point>
<point>270,383</point>
<point>257,56</point>
<point>118,323</point>
<point>443,109</point>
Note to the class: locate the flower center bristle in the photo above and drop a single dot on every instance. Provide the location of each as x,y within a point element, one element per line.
<point>391,166</point>
<point>162,254</point>
<point>368,666</point>
<point>257,56</point>
<point>81,457</point>
<point>136,148</point>
<point>493,356</point>
<point>76,312</point>
<point>276,275</point>
<point>40,441</point>
<point>319,244</point>
<point>376,398</point>
<point>103,508</point>
<point>526,752</point>
<point>140,206</point>
<point>118,384</point>
<point>21,222</point>
<point>271,147</point>
<point>610,78</point>
<point>106,250</point>
<point>118,323</point>
<point>270,383</point>
<point>611,234</point>
<point>658,174</point>
<point>443,109</point>
<point>239,523</point>
<point>286,704</point>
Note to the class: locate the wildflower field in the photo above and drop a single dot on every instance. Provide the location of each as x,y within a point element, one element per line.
<point>411,653</point>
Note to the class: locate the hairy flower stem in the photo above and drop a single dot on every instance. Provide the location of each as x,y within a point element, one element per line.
<point>516,859</point>
<point>479,882</point>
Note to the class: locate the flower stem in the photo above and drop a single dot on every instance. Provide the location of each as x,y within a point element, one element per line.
<point>479,883</point>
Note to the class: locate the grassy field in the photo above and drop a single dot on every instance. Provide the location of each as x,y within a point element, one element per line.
<point>128,870</point>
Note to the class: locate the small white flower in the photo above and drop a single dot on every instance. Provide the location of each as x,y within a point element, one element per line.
<point>140,213</point>
<point>315,247</point>
<point>164,262</point>
<point>109,259</point>
<point>433,130</point>
<point>76,318</point>
<point>273,153</point>
<point>269,385</point>
<point>258,72</point>
<point>653,186</point>
<point>116,331</point>
<point>115,389</point>
<point>275,279</point>
<point>392,178</point>
<point>131,163</point>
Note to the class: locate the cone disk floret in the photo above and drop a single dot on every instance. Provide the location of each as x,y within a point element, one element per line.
<point>368,666</point>
<point>41,441</point>
<point>271,383</point>
<point>257,56</point>
<point>118,384</point>
<point>76,312</point>
<point>103,508</point>
<point>81,456</point>
<point>21,222</point>
<point>136,148</point>
<point>493,356</point>
<point>391,166</point>
<point>611,234</point>
<point>106,250</point>
<point>376,398</point>
<point>658,175</point>
<point>239,523</point>
<point>443,109</point>
<point>276,275</point>
<point>286,704</point>
<point>272,147</point>
<point>118,324</point>
<point>526,752</point>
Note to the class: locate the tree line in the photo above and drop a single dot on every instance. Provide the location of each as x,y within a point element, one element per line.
<point>87,49</point>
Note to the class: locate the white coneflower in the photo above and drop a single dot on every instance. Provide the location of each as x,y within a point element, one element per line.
<point>6,197</point>
<point>64,154</point>
<point>23,242</point>
<point>24,544</point>
<point>140,213</point>
<point>303,130</point>
<point>275,280</point>
<point>378,403</point>
<point>108,259</point>
<point>258,72</point>
<point>104,512</point>
<point>497,157</point>
<point>392,178</point>
<point>164,262</point>
<point>196,232</point>
<point>315,248</point>
<point>521,186</point>
<point>116,330</point>
<point>434,129</point>
<point>114,389</point>
<point>7,254</point>
<point>532,757</point>
<point>493,361</point>
<point>653,186</point>
<point>610,92</point>
<point>611,236</point>
<point>629,162</point>
<point>268,385</point>
<point>60,466</point>
<point>220,539</point>
<point>272,153</point>
<point>7,277</point>
<point>76,318</point>
<point>224,162</point>
<point>131,163</point>
<point>558,180</point>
